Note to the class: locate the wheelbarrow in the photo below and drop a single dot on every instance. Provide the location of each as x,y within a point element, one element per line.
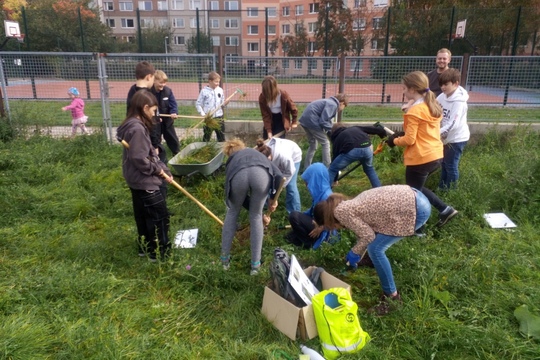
<point>189,170</point>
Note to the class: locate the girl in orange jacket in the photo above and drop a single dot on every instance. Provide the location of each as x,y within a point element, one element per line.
<point>421,139</point>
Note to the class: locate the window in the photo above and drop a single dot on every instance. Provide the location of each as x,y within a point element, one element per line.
<point>128,39</point>
<point>286,28</point>
<point>253,46</point>
<point>111,23</point>
<point>252,12</point>
<point>213,5</point>
<point>127,23</point>
<point>231,58</point>
<point>271,29</point>
<point>272,12</point>
<point>373,44</point>
<point>195,4</point>
<point>162,23</point>
<point>285,63</point>
<point>286,11</point>
<point>108,6</point>
<point>312,64</point>
<point>312,27</point>
<point>231,5</point>
<point>162,5</point>
<point>312,47</point>
<point>178,23</point>
<point>298,64</point>
<point>356,65</point>
<point>299,9</point>
<point>147,23</point>
<point>253,29</point>
<point>377,23</point>
<point>215,41</point>
<point>359,3</point>
<point>214,23</point>
<point>177,4</point>
<point>179,40</point>
<point>285,47</point>
<point>145,5</point>
<point>380,2</point>
<point>231,41</point>
<point>231,23</point>
<point>299,28</point>
<point>313,8</point>
<point>359,24</point>
<point>125,6</point>
<point>193,23</point>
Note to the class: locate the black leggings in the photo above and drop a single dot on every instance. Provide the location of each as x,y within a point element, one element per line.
<point>416,177</point>
<point>277,126</point>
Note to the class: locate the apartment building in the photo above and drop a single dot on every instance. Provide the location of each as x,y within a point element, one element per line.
<point>238,28</point>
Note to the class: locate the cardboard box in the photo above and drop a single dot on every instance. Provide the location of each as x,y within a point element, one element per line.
<point>290,319</point>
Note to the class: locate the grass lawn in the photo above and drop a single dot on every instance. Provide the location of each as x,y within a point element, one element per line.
<point>73,287</point>
<point>49,113</point>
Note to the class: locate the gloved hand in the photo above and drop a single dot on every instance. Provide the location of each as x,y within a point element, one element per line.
<point>353,259</point>
<point>390,140</point>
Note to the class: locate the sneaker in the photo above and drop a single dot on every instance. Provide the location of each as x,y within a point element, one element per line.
<point>152,258</point>
<point>226,262</point>
<point>255,268</point>
<point>254,271</point>
<point>366,261</point>
<point>446,215</point>
<point>386,304</point>
<point>420,232</point>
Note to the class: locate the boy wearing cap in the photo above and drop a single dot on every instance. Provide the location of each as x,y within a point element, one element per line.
<point>77,112</point>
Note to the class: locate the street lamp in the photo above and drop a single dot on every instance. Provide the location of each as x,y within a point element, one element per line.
<point>166,50</point>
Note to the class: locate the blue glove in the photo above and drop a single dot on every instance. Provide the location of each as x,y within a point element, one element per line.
<point>353,259</point>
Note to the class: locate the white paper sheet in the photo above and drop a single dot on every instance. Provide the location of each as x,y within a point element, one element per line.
<point>300,282</point>
<point>499,221</point>
<point>186,238</point>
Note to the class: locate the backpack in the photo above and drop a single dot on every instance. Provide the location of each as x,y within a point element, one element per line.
<point>280,267</point>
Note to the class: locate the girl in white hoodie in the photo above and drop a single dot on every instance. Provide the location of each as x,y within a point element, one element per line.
<point>454,129</point>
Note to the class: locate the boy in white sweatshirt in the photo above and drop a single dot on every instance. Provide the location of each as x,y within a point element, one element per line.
<point>454,129</point>
<point>210,98</point>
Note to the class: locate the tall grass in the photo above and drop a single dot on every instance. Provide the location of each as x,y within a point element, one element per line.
<point>73,287</point>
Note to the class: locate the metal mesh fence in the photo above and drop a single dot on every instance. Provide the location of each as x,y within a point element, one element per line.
<point>34,85</point>
<point>305,79</point>
<point>377,79</point>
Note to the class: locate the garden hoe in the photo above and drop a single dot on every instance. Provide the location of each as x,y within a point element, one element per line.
<point>379,149</point>
<point>184,191</point>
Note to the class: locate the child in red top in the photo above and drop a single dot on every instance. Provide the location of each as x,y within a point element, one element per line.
<point>77,112</point>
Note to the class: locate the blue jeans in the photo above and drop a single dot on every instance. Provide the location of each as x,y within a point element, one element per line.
<point>364,156</point>
<point>292,196</point>
<point>450,165</point>
<point>377,248</point>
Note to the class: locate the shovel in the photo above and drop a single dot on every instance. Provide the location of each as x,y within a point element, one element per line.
<point>184,191</point>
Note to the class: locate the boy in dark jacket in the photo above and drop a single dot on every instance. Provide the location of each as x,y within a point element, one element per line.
<point>166,105</point>
<point>350,144</point>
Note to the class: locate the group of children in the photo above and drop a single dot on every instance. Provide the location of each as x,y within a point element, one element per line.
<point>434,134</point>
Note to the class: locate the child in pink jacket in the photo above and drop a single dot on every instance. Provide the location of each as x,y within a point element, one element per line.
<point>77,112</point>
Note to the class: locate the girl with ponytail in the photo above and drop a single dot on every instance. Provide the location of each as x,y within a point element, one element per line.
<point>421,139</point>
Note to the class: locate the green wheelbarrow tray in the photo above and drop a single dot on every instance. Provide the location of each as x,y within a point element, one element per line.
<point>205,169</point>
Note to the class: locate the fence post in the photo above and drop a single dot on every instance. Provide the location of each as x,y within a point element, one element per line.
<point>199,71</point>
<point>341,84</point>
<point>266,40</point>
<point>511,67</point>
<point>104,91</point>
<point>325,65</point>
<point>139,32</point>
<point>451,27</point>
<point>386,44</point>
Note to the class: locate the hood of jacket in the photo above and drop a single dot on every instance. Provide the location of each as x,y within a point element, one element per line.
<point>318,182</point>
<point>459,95</point>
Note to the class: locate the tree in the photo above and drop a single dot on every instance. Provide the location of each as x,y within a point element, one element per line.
<point>297,44</point>
<point>206,45</point>
<point>337,32</point>
<point>54,26</point>
<point>153,39</point>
